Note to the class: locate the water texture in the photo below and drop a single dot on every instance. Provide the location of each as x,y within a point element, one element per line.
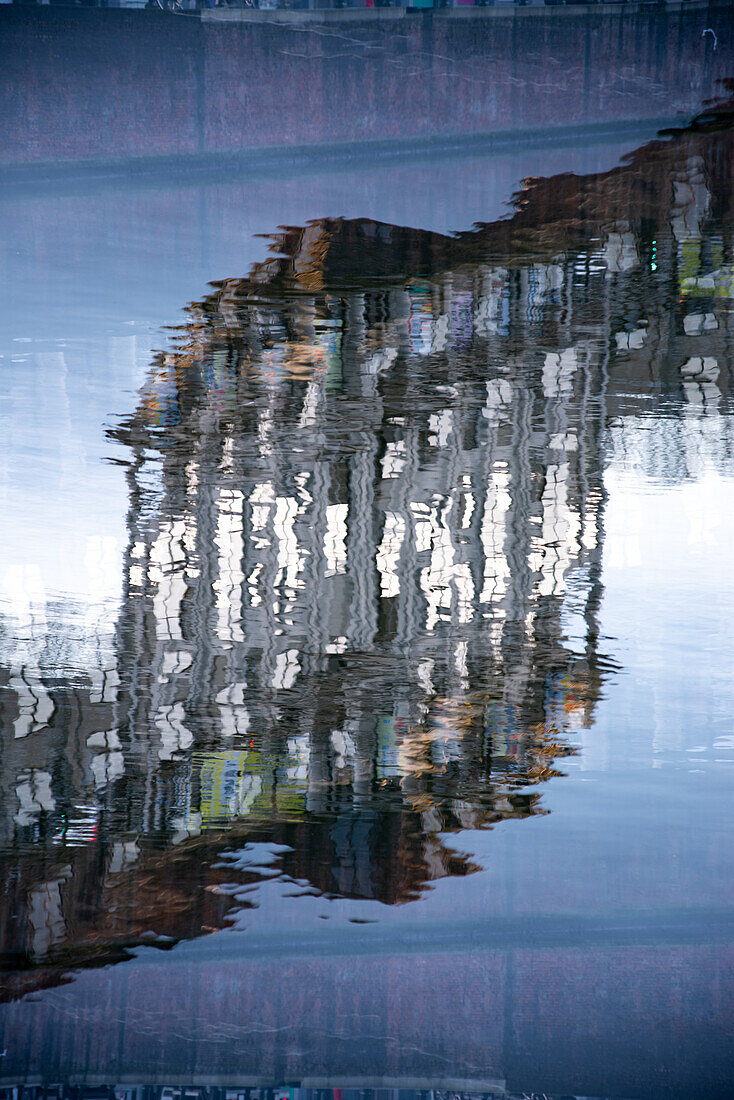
<point>365,686</point>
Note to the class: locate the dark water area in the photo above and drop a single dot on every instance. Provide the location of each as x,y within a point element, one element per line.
<point>365,676</point>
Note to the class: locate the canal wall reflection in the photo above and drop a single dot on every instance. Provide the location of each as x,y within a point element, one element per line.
<point>560,1020</point>
<point>106,87</point>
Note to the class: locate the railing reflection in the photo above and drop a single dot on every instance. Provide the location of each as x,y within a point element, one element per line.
<point>183,6</point>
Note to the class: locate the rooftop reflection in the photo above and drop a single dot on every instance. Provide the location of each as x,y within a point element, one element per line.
<point>366,490</point>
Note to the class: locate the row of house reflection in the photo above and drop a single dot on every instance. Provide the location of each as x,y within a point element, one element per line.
<point>364,564</point>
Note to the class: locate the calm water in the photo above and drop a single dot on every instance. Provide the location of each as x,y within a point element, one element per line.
<point>365,628</point>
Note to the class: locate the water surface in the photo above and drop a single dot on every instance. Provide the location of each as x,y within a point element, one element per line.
<point>364,678</point>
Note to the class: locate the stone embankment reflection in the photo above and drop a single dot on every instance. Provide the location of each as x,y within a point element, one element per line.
<point>364,562</point>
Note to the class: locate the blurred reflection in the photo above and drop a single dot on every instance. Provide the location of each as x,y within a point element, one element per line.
<point>366,502</point>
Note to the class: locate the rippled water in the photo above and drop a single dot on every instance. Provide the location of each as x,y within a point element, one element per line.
<point>365,684</point>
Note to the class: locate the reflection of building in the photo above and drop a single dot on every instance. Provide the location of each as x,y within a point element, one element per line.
<point>366,501</point>
<point>371,538</point>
